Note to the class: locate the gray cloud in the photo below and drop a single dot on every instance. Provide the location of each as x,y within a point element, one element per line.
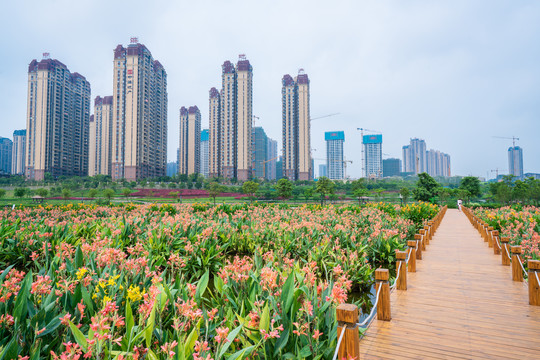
<point>454,73</point>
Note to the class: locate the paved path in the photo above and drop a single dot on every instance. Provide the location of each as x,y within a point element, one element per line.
<point>460,304</point>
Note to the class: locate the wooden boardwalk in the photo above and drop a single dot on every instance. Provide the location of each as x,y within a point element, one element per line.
<point>460,304</point>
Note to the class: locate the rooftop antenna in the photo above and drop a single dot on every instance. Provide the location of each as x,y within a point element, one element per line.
<point>46,55</point>
<point>134,40</point>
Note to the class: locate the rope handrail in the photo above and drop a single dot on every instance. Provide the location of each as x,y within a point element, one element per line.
<point>339,341</point>
<point>506,249</point>
<point>521,264</point>
<point>497,242</point>
<point>537,281</point>
<point>397,277</point>
<point>408,256</point>
<point>372,309</point>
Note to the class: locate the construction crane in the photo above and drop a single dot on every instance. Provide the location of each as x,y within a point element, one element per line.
<point>362,149</point>
<point>324,116</point>
<point>496,171</point>
<point>513,138</point>
<point>264,167</point>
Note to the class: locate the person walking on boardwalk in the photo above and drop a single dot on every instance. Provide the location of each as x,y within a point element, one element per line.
<point>459,204</point>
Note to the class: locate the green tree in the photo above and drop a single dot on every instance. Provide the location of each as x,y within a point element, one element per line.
<point>250,188</point>
<point>520,192</point>
<point>214,189</point>
<point>126,192</point>
<point>19,192</point>
<point>42,192</point>
<point>324,187</point>
<point>472,185</point>
<point>426,187</point>
<point>2,193</point>
<point>66,194</point>
<point>92,193</point>
<point>361,193</point>
<point>405,193</point>
<point>534,189</point>
<point>284,188</point>
<point>308,193</point>
<point>108,193</point>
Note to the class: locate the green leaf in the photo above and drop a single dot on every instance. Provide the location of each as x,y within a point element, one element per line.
<point>150,326</point>
<point>129,320</point>
<point>11,350</point>
<point>305,352</point>
<point>201,286</point>
<point>87,300</point>
<point>230,338</point>
<point>79,336</point>
<point>190,342</point>
<point>240,353</point>
<point>281,341</point>
<point>51,326</point>
<point>288,293</point>
<point>21,303</point>
<point>264,323</point>
<point>4,273</point>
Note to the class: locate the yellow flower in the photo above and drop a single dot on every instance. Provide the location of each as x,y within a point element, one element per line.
<point>134,293</point>
<point>81,272</point>
<point>106,299</point>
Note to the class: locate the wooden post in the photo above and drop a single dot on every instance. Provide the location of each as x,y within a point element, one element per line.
<point>484,232</point>
<point>383,307</point>
<point>496,249</point>
<point>534,285</point>
<point>347,315</point>
<point>517,273</point>
<point>426,233</point>
<point>418,239</point>
<point>412,255</point>
<point>432,228</point>
<point>504,251</point>
<point>423,238</point>
<point>401,258</point>
<point>490,236</point>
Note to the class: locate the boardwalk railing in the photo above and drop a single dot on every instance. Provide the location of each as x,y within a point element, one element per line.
<point>348,345</point>
<point>510,255</point>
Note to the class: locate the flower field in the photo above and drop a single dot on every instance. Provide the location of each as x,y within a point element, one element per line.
<point>189,281</point>
<point>521,225</point>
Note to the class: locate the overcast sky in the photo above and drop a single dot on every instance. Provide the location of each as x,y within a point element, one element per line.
<point>454,73</point>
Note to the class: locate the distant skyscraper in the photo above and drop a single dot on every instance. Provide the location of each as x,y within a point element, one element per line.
<point>57,122</point>
<point>260,152</point>
<point>372,156</point>
<point>323,170</point>
<point>231,118</point>
<point>297,164</point>
<point>391,167</point>
<point>19,152</point>
<point>190,141</point>
<point>414,157</point>
<point>334,154</point>
<point>215,143</point>
<point>272,156</point>
<point>172,169</point>
<point>515,161</point>
<point>100,144</point>
<point>279,168</point>
<point>438,163</point>
<point>204,152</point>
<point>6,155</point>
<point>139,114</point>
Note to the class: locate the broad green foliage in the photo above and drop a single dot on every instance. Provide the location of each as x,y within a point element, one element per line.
<point>426,188</point>
<point>189,281</point>
<point>519,223</point>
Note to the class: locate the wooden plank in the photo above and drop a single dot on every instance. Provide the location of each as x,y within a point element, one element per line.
<point>461,303</point>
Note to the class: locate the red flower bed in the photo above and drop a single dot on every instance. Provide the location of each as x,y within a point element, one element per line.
<point>174,193</point>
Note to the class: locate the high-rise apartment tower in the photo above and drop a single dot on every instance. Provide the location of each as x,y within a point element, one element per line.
<point>334,154</point>
<point>139,145</point>
<point>297,164</point>
<point>372,156</point>
<point>204,152</point>
<point>19,151</point>
<point>6,155</point>
<point>57,122</point>
<point>100,145</point>
<point>231,113</point>
<point>515,161</point>
<point>189,160</point>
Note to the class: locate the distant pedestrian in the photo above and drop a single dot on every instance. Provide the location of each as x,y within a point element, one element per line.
<point>459,204</point>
